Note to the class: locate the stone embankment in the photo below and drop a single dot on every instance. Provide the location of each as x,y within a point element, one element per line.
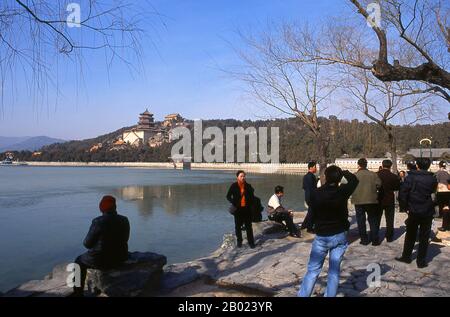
<point>274,268</point>
<point>284,168</point>
<point>278,263</point>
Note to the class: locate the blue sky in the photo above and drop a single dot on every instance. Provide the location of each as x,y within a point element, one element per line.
<point>182,62</point>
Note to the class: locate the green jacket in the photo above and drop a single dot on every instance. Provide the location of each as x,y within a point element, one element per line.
<point>367,190</point>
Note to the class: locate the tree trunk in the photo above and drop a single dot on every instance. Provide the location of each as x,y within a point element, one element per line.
<point>393,149</point>
<point>427,72</point>
<point>322,145</point>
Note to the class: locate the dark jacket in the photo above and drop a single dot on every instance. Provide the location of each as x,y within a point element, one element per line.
<point>107,239</point>
<point>367,191</point>
<point>309,185</point>
<point>329,206</point>
<point>257,209</point>
<point>389,184</point>
<point>234,195</point>
<point>416,192</point>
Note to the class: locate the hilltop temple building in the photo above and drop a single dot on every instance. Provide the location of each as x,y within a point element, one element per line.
<point>172,120</point>
<point>144,131</point>
<point>149,132</point>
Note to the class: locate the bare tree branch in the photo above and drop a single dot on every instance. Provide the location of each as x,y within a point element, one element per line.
<point>34,36</point>
<point>383,104</point>
<point>429,71</point>
<point>295,89</point>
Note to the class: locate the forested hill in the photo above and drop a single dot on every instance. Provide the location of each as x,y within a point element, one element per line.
<point>353,138</point>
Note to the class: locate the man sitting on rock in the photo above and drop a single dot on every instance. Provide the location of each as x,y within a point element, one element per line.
<point>276,212</point>
<point>107,241</point>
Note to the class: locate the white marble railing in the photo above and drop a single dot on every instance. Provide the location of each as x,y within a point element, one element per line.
<point>103,164</point>
<point>249,167</point>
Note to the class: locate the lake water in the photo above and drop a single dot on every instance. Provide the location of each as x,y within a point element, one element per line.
<point>45,212</point>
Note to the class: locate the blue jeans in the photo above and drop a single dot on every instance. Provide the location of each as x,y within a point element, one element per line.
<point>336,245</point>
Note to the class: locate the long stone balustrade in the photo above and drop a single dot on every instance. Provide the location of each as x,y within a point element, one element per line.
<point>249,167</point>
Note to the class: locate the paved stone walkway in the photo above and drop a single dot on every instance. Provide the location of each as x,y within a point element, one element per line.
<point>278,263</point>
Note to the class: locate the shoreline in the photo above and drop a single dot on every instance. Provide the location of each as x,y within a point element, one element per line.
<point>278,264</point>
<point>263,168</point>
<point>249,167</point>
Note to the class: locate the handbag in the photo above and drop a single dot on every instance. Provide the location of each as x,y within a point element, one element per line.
<point>232,209</point>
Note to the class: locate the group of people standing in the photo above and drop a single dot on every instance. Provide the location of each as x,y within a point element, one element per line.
<point>327,217</point>
<point>443,196</point>
<point>373,195</point>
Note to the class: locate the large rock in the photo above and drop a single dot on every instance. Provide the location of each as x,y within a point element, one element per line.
<point>274,227</point>
<point>229,241</point>
<point>140,275</point>
<point>53,285</point>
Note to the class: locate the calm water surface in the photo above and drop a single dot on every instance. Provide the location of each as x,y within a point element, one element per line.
<point>45,212</point>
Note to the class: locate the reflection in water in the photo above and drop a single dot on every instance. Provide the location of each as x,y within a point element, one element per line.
<point>178,199</point>
<point>138,195</point>
<point>173,199</point>
<point>45,212</point>
<point>132,193</point>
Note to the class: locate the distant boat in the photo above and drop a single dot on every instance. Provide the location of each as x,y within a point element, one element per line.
<point>11,163</point>
<point>8,161</point>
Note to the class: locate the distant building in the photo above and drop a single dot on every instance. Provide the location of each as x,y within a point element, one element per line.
<point>119,142</point>
<point>96,147</point>
<point>172,120</point>
<point>158,139</point>
<point>144,131</point>
<point>150,132</point>
<point>434,154</point>
<point>371,162</point>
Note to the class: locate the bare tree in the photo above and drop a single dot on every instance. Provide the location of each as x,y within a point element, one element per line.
<point>418,27</point>
<point>386,103</point>
<point>345,48</point>
<point>38,36</point>
<point>300,90</point>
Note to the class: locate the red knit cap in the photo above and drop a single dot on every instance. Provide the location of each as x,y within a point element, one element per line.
<point>108,203</point>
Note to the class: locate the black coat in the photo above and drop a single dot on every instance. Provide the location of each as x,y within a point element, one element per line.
<point>309,185</point>
<point>329,206</point>
<point>416,192</point>
<point>234,195</point>
<point>107,239</point>
<point>390,183</point>
<point>257,210</point>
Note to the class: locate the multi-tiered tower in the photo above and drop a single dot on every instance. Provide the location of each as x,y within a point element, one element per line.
<point>143,132</point>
